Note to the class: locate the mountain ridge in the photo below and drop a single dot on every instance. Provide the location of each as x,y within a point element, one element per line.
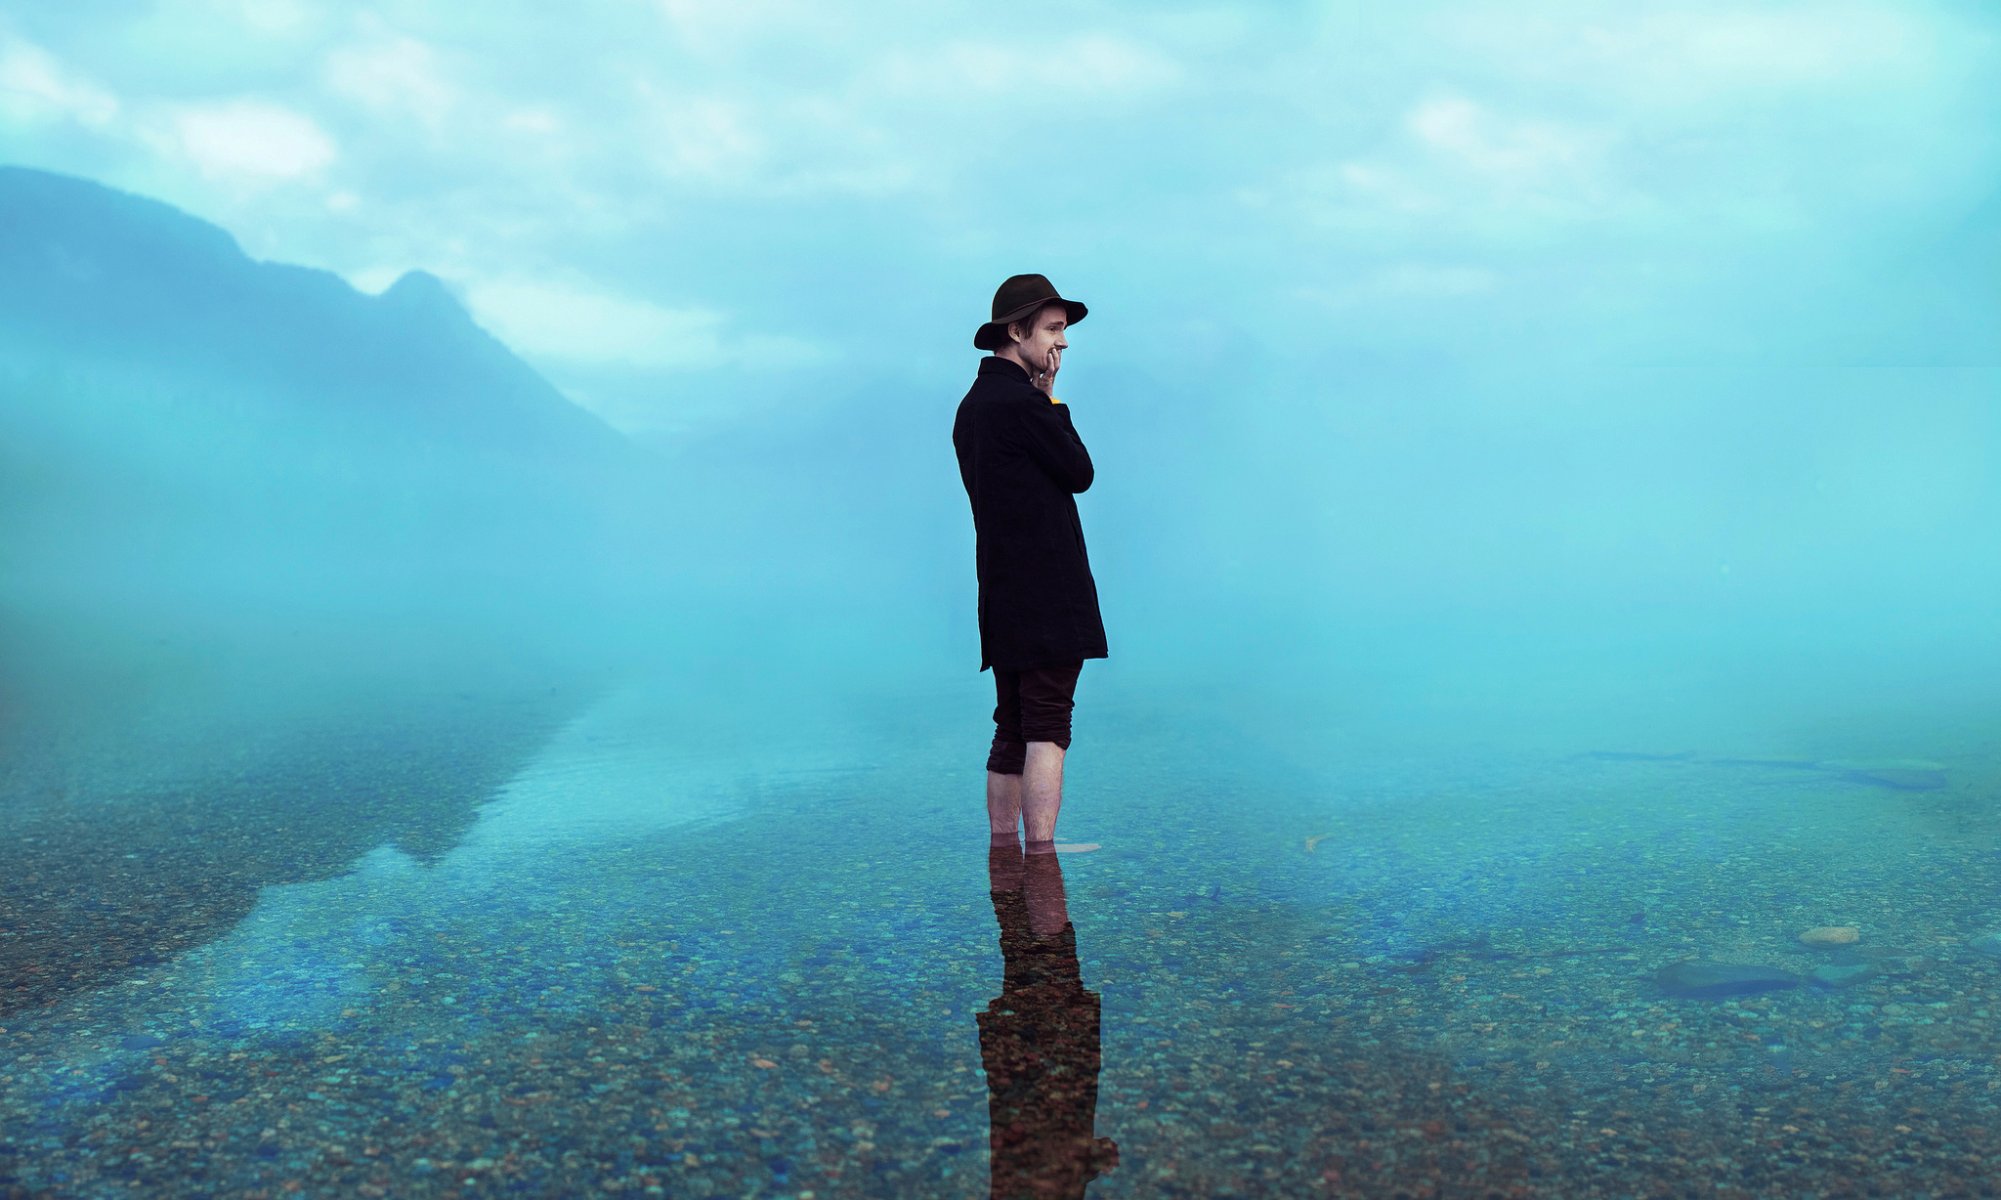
<point>97,274</point>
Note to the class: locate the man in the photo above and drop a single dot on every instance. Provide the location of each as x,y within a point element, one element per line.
<point>1022,463</point>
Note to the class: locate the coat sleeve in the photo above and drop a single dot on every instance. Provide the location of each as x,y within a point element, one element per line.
<point>1053,443</point>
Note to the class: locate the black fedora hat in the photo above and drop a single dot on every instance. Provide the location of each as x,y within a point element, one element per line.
<point>1021,296</point>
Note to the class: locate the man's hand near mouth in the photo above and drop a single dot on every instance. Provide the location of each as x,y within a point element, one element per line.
<point>1046,378</point>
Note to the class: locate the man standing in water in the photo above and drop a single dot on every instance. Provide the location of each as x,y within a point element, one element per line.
<point>1023,463</point>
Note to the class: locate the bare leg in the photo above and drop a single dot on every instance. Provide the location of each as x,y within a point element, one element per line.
<point>1003,805</point>
<point>1041,791</point>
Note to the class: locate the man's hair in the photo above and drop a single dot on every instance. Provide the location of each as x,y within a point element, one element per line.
<point>1029,322</point>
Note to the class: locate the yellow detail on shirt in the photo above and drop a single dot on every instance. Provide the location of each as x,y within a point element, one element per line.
<point>1054,400</point>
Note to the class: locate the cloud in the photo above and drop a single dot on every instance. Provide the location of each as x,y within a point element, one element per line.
<point>34,87</point>
<point>246,140</point>
<point>1663,57</point>
<point>539,122</point>
<point>274,18</point>
<point>703,138</point>
<point>1425,279</point>
<point>1054,73</point>
<point>717,30</point>
<point>393,75</point>
<point>1396,281</point>
<point>578,323</point>
<point>801,148</point>
<point>1477,138</point>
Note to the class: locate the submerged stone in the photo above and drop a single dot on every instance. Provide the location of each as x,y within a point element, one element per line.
<point>1897,774</point>
<point>1830,935</point>
<point>1988,943</point>
<point>1900,779</point>
<point>1836,975</point>
<point>1697,979</point>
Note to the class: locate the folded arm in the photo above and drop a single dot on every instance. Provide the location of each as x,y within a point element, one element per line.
<point>1054,445</point>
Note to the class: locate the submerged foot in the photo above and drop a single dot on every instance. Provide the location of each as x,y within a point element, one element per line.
<point>1059,846</point>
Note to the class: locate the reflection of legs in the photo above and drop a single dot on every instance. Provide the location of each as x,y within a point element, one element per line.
<point>1043,889</point>
<point>1041,792</point>
<point>1004,865</point>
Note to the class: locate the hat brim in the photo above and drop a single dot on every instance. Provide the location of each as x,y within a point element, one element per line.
<point>993,334</point>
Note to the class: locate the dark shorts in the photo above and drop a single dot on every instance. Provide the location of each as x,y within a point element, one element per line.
<point>1034,706</point>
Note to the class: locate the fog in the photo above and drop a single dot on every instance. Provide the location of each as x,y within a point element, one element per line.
<point>1646,527</point>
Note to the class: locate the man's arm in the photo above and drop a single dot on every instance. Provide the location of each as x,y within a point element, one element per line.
<point>1053,443</point>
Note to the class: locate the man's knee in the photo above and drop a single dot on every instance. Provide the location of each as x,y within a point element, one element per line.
<point>1007,757</point>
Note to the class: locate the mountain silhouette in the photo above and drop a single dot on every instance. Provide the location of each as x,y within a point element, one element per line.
<point>102,277</point>
<point>171,408</point>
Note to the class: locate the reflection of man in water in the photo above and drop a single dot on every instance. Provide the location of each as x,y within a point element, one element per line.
<point>1039,1039</point>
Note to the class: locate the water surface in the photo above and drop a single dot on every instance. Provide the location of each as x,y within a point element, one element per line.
<point>668,953</point>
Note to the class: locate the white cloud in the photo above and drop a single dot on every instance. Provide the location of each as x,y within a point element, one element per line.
<point>533,121</point>
<point>1748,49</point>
<point>1403,281</point>
<point>282,18</point>
<point>1384,186</point>
<point>1426,279</point>
<point>391,75</point>
<point>1485,142</point>
<point>246,140</point>
<point>711,29</point>
<point>34,86</point>
<point>576,322</point>
<point>1460,169</point>
<point>1668,58</point>
<point>799,148</point>
<point>704,138</point>
<point>1055,73</point>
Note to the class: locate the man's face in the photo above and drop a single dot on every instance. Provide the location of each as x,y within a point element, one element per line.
<point>1045,337</point>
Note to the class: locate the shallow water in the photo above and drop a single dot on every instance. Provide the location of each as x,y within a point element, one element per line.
<point>659,954</point>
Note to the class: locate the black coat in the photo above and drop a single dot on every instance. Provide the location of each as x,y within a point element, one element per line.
<point>1022,462</point>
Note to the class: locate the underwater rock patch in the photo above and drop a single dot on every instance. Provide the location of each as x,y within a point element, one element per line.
<point>1830,935</point>
<point>1899,779</point>
<point>1897,774</point>
<point>1700,979</point>
<point>1839,975</point>
<point>1988,943</point>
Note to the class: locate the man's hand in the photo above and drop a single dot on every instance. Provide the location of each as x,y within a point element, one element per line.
<point>1046,378</point>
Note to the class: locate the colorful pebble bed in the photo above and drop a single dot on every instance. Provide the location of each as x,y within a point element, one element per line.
<point>645,962</point>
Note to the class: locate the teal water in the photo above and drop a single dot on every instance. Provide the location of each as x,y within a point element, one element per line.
<point>670,952</point>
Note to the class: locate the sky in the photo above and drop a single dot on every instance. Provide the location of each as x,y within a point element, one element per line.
<point>681,210</point>
<point>1448,323</point>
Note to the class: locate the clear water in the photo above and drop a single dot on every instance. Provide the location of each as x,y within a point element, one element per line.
<point>556,931</point>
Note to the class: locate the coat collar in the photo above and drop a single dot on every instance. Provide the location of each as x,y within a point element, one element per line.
<point>1006,368</point>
